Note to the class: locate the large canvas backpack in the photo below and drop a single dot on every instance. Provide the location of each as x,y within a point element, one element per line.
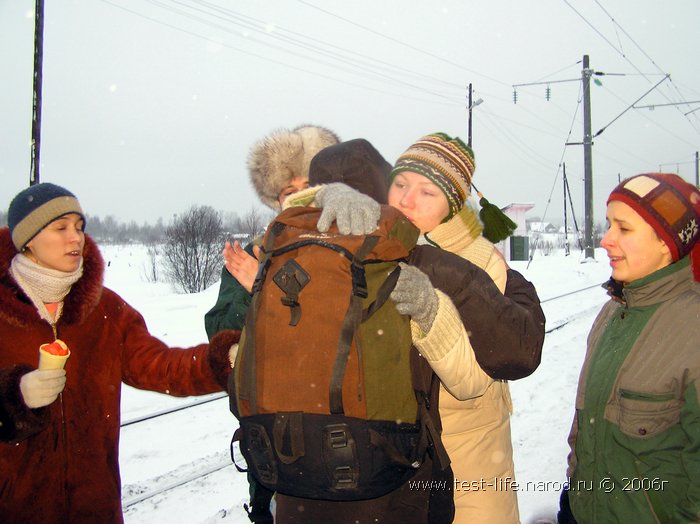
<point>333,400</point>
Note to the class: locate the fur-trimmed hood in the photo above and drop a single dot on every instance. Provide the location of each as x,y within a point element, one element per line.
<point>18,310</point>
<point>283,155</point>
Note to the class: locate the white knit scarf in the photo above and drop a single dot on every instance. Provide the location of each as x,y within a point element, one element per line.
<point>43,285</point>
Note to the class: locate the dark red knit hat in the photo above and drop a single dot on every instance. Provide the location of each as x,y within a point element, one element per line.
<point>668,204</point>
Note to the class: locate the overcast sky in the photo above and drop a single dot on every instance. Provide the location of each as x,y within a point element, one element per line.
<point>150,107</point>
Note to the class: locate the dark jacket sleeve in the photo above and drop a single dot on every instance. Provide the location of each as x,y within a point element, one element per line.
<point>231,304</point>
<point>17,421</point>
<point>505,330</point>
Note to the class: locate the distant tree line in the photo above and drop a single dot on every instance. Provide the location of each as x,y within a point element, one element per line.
<point>109,230</point>
<point>187,250</point>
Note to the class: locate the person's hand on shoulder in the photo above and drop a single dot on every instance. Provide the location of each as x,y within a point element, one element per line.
<point>415,296</point>
<point>355,213</point>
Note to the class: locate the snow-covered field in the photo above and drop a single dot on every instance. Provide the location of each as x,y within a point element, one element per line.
<point>161,452</point>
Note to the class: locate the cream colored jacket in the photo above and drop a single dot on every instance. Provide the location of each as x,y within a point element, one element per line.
<point>474,408</point>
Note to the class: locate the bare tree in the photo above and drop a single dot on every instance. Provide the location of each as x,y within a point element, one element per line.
<point>253,223</point>
<point>192,251</point>
<point>151,265</point>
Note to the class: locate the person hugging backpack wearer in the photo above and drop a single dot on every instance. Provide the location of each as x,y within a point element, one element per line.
<point>506,332</point>
<point>278,166</point>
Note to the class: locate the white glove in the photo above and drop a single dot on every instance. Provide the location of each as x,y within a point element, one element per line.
<point>40,388</point>
<point>354,212</point>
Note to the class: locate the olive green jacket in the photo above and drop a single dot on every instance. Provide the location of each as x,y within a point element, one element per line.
<point>635,439</point>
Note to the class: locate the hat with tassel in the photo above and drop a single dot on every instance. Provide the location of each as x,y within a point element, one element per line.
<point>449,163</point>
<point>497,225</point>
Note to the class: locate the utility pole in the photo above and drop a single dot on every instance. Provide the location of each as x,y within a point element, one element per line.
<point>34,177</point>
<point>587,143</point>
<point>587,159</point>
<point>566,225</point>
<point>469,132</point>
<point>471,104</point>
<point>697,171</point>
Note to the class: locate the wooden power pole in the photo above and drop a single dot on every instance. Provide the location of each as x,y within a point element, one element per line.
<point>34,176</point>
<point>587,160</point>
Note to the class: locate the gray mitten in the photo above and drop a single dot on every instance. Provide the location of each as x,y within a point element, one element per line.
<point>354,212</point>
<point>415,296</point>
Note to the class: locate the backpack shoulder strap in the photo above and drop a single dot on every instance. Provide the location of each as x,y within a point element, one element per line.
<point>427,388</point>
<point>248,387</point>
<point>352,319</point>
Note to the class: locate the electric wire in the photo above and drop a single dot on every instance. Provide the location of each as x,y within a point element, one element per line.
<point>621,52</point>
<point>374,74</point>
<point>402,43</point>
<point>278,62</point>
<point>653,122</point>
<point>298,37</point>
<point>248,25</point>
<point>559,167</point>
<point>249,22</point>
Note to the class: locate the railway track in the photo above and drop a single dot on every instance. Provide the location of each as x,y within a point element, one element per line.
<point>194,473</point>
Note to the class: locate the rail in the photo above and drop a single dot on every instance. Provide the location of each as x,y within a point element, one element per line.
<point>131,501</point>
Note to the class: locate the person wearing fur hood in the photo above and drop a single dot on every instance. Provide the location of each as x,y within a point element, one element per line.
<point>59,427</point>
<point>278,166</point>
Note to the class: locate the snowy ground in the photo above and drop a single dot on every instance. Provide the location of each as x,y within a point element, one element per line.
<point>161,452</point>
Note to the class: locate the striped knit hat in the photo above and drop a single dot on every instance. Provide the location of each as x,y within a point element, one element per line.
<point>447,162</point>
<point>669,204</point>
<point>36,207</point>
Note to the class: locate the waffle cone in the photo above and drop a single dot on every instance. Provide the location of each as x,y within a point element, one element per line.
<point>50,361</point>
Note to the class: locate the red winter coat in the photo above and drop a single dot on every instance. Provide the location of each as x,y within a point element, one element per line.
<point>59,464</point>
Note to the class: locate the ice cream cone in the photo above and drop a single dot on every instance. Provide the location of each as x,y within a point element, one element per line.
<point>50,361</point>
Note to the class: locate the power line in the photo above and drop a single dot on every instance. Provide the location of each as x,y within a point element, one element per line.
<point>298,39</point>
<point>559,167</point>
<point>630,106</point>
<point>400,42</point>
<point>617,25</point>
<point>287,50</point>
<point>277,62</point>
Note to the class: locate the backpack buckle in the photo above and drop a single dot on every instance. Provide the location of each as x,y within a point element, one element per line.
<point>291,279</point>
<point>340,453</point>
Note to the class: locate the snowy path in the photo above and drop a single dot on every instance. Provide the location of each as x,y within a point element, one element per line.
<point>163,451</point>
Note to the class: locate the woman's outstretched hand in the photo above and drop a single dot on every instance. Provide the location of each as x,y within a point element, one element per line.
<point>242,266</point>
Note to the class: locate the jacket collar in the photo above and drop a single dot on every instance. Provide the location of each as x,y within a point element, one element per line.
<point>17,309</point>
<point>662,285</point>
<point>458,232</point>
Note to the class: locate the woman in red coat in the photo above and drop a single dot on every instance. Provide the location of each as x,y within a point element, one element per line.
<point>59,428</point>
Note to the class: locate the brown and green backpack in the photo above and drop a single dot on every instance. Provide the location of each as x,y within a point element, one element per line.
<point>333,400</point>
